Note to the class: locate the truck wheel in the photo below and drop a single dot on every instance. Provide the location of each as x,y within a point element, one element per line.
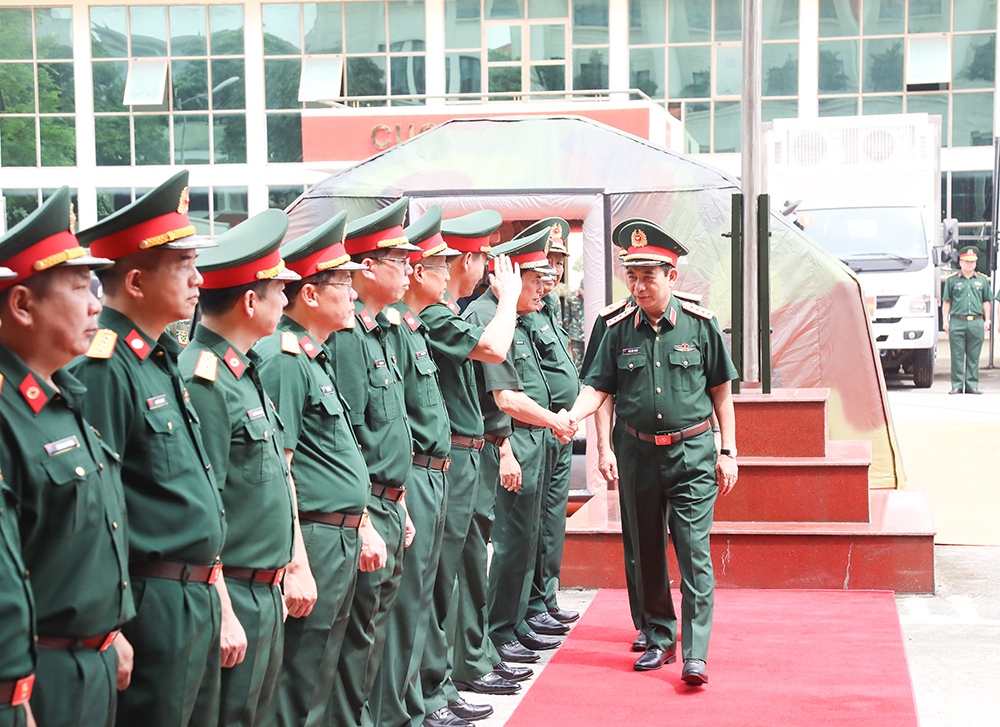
<point>923,368</point>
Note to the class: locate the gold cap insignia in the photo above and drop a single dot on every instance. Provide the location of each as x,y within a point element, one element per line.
<point>638,238</point>
<point>184,202</point>
<point>556,234</point>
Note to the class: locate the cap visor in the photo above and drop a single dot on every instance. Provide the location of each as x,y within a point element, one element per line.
<point>544,270</point>
<point>643,263</point>
<point>350,266</point>
<point>190,242</point>
<point>287,275</point>
<point>87,261</point>
<point>404,246</point>
<point>7,274</point>
<point>450,252</point>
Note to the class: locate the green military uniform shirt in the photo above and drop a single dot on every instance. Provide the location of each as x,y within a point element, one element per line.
<point>421,385</point>
<point>137,400</point>
<point>241,432</point>
<point>17,605</point>
<point>552,345</point>
<point>452,339</point>
<point>659,375</point>
<point>967,295</point>
<point>328,470</point>
<point>72,512</point>
<point>368,377</point>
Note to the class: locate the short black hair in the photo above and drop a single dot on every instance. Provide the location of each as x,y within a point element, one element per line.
<point>216,301</point>
<point>293,288</point>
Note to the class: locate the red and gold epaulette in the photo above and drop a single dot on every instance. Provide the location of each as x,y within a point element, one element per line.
<point>621,316</point>
<point>289,343</point>
<point>697,310</point>
<point>687,296</point>
<point>411,320</point>
<point>952,274</point>
<point>609,309</point>
<point>393,316</point>
<point>103,344</point>
<point>207,366</point>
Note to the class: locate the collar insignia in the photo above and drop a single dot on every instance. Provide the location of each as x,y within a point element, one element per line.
<point>308,347</point>
<point>411,320</point>
<point>33,393</point>
<point>138,346</point>
<point>366,319</point>
<point>234,363</point>
<point>672,317</point>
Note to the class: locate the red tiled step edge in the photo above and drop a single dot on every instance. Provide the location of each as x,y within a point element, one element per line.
<point>784,423</point>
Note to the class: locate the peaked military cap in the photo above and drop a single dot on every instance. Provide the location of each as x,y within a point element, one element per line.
<point>158,218</point>
<point>43,240</point>
<point>645,243</point>
<point>558,234</point>
<point>380,230</point>
<point>529,252</point>
<point>247,253</point>
<point>320,249</point>
<point>969,253</point>
<point>425,233</point>
<point>471,232</point>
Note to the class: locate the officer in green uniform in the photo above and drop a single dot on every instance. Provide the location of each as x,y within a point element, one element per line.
<point>329,474</point>
<point>669,368</point>
<point>241,301</point>
<point>459,599</point>
<point>67,481</point>
<point>966,307</point>
<point>368,375</point>
<point>137,399</point>
<point>516,394</point>
<point>552,344</point>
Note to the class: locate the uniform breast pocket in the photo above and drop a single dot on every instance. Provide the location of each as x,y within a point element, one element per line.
<point>685,370</point>
<point>162,424</point>
<point>258,452</point>
<point>336,436</point>
<point>522,354</point>
<point>428,393</point>
<point>74,499</point>
<point>633,372</point>
<point>383,396</point>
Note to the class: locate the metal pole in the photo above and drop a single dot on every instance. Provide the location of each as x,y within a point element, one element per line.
<point>764,289</point>
<point>736,307</point>
<point>751,182</point>
<point>992,243</point>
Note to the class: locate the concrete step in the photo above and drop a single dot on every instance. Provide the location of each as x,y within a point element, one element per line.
<point>784,423</point>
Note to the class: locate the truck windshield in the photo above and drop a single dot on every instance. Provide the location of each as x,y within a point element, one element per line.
<point>866,238</point>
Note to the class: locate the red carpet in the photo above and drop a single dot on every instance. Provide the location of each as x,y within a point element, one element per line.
<point>777,659</point>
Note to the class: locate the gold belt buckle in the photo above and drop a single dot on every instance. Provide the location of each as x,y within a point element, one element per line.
<point>971,318</point>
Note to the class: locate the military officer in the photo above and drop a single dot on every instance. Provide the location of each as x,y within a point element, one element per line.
<point>668,365</point>
<point>366,365</point>
<point>137,399</point>
<point>241,301</point>
<point>966,307</point>
<point>329,474</point>
<point>515,396</point>
<point>459,596</point>
<point>552,344</point>
<point>67,480</point>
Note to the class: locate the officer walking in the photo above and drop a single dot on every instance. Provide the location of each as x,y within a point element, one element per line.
<point>67,482</point>
<point>241,301</point>
<point>669,368</point>
<point>966,307</point>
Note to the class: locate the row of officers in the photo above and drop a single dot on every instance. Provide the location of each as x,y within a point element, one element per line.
<point>286,522</point>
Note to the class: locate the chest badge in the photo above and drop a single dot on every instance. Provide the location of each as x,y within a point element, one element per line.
<point>685,347</point>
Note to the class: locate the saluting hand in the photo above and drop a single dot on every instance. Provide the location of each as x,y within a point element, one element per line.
<point>726,473</point>
<point>505,280</point>
<point>373,552</point>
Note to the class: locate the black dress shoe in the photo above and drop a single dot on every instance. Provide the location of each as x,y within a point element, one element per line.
<point>488,683</point>
<point>956,390</point>
<point>515,651</point>
<point>654,658</point>
<point>471,712</point>
<point>640,642</point>
<point>543,623</point>
<point>444,717</point>
<point>533,641</point>
<point>970,390</point>
<point>563,616</point>
<point>514,673</point>
<point>694,672</point>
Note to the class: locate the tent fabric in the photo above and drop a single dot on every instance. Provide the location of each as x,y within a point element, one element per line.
<point>575,168</point>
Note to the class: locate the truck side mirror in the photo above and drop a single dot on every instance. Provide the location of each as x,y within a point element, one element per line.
<point>936,256</point>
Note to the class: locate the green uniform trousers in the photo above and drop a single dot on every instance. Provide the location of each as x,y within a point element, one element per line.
<point>367,625</point>
<point>463,485</point>
<point>965,339</point>
<point>248,688</point>
<point>673,484</point>
<point>75,688</point>
<point>397,693</point>
<point>13,716</point>
<point>515,541</point>
<point>629,556</point>
<point>552,529</point>
<point>473,654</point>
<point>312,643</point>
<point>175,635</point>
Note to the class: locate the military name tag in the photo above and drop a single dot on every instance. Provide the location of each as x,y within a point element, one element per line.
<point>256,413</point>
<point>544,328</point>
<point>380,363</point>
<point>326,390</point>
<point>631,350</point>
<point>62,445</point>
<point>157,401</point>
<point>421,354</point>
<point>519,342</point>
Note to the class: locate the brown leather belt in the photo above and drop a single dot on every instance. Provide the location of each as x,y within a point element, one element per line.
<point>332,518</point>
<point>255,575</point>
<point>101,643</point>
<point>967,318</point>
<point>458,440</point>
<point>494,439</point>
<point>387,493</point>
<point>670,437</point>
<point>177,571</point>
<point>16,692</point>
<point>431,463</point>
<point>525,425</point>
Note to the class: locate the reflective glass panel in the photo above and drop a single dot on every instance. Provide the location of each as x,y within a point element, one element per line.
<point>198,211</point>
<point>690,71</point>
<point>188,30</point>
<point>152,140</point>
<point>698,128</point>
<point>874,105</point>
<point>930,16</point>
<point>883,17</point>
<point>15,33</point>
<point>20,204</point>
<point>503,42</point>
<point>111,140</point>
<point>147,78</point>
<point>548,42</point>
<point>230,142</point>
<point>729,20</point>
<point>548,8</point>
<point>883,65</point>
<point>53,32</point>
<point>781,19</point>
<point>973,61</point>
<point>590,22</point>
<point>838,106</point>
<point>690,21</point>
<point>936,103</point>
<point>504,78</point>
<point>971,196</point>
<point>279,198</point>
<point>148,31</point>
<point>502,9</point>
<point>191,144</point>
<point>462,24</point>
<point>365,27</point>
<point>646,71</point>
<point>647,22</point>
<point>230,205</point>
<point>284,138</point>
<point>228,84</point>
<point>838,66</point>
<point>462,73</point>
<point>406,25</point>
<point>548,78</point>
<point>366,77</point>
<point>406,77</point>
<point>837,19</point>
<point>17,142</point>
<point>786,108</point>
<point>972,119</point>
<point>282,29</point>
<point>728,79</point>
<point>781,69</point>
<point>727,127</point>
<point>190,85</point>
<point>972,15</point>
<point>225,22</point>
<point>281,83</point>
<point>56,93</point>
<point>112,200</point>
<point>109,85</point>
<point>108,30</point>
<point>323,31</point>
<point>17,88</point>
<point>590,69</point>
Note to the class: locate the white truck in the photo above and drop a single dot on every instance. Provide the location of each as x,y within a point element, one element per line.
<point>868,190</point>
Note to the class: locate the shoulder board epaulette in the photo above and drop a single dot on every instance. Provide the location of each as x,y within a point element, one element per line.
<point>951,274</point>
<point>687,296</point>
<point>103,344</point>
<point>621,316</point>
<point>698,310</point>
<point>609,309</point>
<point>393,316</point>
<point>207,366</point>
<point>982,275</point>
<point>290,343</point>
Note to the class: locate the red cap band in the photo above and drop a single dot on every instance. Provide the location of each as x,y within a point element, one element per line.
<point>433,245</point>
<point>530,259</point>
<point>468,244</point>
<point>53,250</point>
<point>376,241</point>
<point>150,233</point>
<point>262,269</point>
<point>331,257</point>
<point>651,252</point>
